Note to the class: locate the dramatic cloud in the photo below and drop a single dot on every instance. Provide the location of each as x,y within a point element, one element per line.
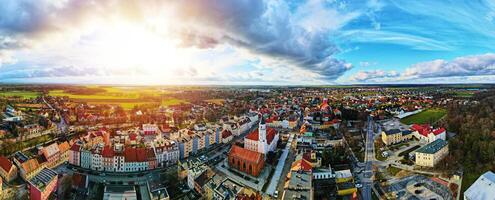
<point>373,75</point>
<point>270,29</point>
<point>467,66</point>
<point>462,66</point>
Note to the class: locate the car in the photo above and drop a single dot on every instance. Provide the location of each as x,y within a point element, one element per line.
<point>275,194</point>
<point>359,185</point>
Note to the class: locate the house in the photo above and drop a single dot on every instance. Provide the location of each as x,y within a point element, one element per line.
<point>43,184</point>
<point>64,148</point>
<point>483,188</point>
<point>51,154</point>
<point>299,186</point>
<point>74,154</point>
<point>430,154</point>
<point>8,171</point>
<point>30,168</point>
<point>245,160</point>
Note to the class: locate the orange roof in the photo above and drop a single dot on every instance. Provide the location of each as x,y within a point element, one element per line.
<point>30,165</point>
<point>64,146</point>
<point>246,154</point>
<point>5,164</point>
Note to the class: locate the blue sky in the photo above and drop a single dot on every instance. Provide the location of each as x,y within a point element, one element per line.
<point>247,42</point>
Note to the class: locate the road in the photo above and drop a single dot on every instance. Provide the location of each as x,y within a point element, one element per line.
<point>369,156</point>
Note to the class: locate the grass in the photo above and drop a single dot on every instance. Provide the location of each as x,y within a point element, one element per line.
<point>99,96</point>
<point>173,101</point>
<point>23,94</point>
<point>466,94</point>
<point>393,170</point>
<point>430,116</point>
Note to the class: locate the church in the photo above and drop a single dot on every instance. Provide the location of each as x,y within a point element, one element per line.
<point>262,140</point>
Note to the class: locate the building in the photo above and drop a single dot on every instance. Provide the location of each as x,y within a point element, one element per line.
<point>43,184</point>
<point>30,168</point>
<point>119,192</point>
<point>85,159</point>
<point>51,154</point>
<point>262,140</point>
<point>426,133</point>
<point>8,171</point>
<point>482,189</point>
<point>430,154</point>
<point>226,136</point>
<point>64,148</point>
<point>394,136</point>
<point>245,160</point>
<point>74,154</point>
<point>345,182</point>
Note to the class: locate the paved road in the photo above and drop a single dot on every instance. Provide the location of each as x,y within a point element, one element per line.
<point>369,157</point>
<point>280,166</point>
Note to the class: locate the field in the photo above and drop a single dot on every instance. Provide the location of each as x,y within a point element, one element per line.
<point>23,94</point>
<point>431,116</point>
<point>216,101</point>
<point>126,97</point>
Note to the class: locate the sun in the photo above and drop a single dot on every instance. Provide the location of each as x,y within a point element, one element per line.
<point>135,46</point>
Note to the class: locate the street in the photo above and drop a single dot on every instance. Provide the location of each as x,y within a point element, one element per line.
<point>367,180</point>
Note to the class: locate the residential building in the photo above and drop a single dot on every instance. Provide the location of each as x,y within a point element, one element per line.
<point>299,186</point>
<point>8,171</point>
<point>74,154</point>
<point>112,192</point>
<point>64,149</point>
<point>482,189</point>
<point>43,184</point>
<point>245,160</point>
<point>430,154</point>
<point>51,154</point>
<point>30,168</point>
<point>85,159</point>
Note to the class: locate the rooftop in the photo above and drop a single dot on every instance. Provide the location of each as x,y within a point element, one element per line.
<point>433,147</point>
<point>483,188</point>
<point>43,178</point>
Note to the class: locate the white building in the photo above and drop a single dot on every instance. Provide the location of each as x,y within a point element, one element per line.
<point>483,188</point>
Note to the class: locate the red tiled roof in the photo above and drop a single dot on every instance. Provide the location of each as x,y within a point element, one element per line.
<point>141,154</point>
<point>130,155</point>
<point>108,152</point>
<point>439,131</point>
<point>64,146</point>
<point>226,133</point>
<point>422,129</point>
<point>75,147</point>
<point>270,135</point>
<point>5,163</point>
<point>302,164</point>
<point>133,136</point>
<point>246,154</point>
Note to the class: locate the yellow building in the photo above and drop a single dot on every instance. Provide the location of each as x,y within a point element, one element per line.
<point>430,154</point>
<point>394,136</point>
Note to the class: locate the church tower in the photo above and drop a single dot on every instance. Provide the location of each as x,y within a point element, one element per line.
<point>262,143</point>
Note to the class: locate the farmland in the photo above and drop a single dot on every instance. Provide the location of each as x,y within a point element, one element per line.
<point>126,97</point>
<point>431,116</point>
<point>22,94</point>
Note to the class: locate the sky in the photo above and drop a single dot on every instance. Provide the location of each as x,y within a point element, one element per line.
<point>247,42</point>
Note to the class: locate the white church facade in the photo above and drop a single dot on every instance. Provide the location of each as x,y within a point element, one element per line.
<point>262,140</point>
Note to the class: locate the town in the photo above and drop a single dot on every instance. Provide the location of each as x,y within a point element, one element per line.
<point>173,142</point>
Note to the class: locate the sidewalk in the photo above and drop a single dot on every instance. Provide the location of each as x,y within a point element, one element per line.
<point>280,166</point>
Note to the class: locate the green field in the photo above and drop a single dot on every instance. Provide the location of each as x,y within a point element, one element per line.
<point>126,97</point>
<point>430,116</point>
<point>23,94</point>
